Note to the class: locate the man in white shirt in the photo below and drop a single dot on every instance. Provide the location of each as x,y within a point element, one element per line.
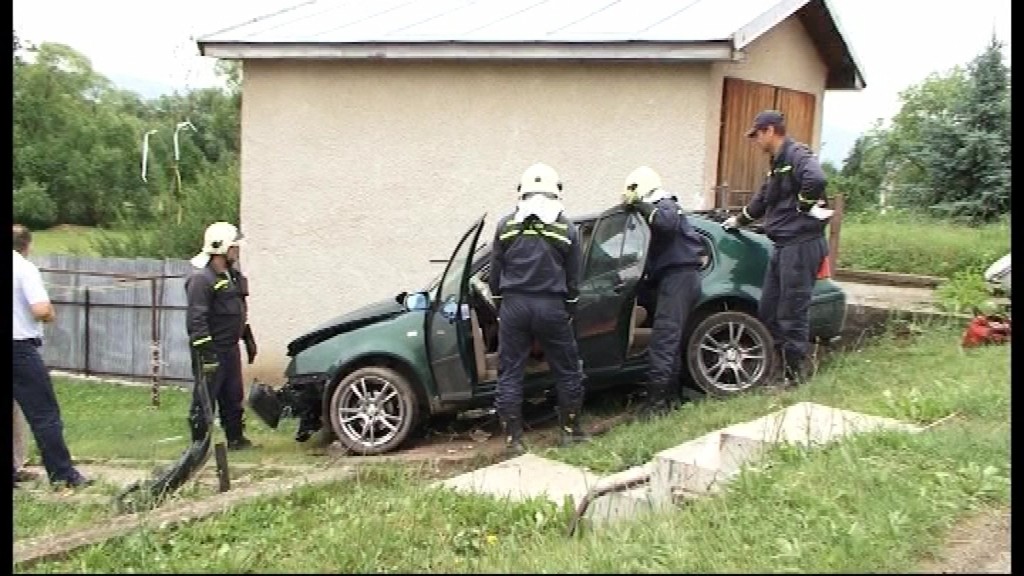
<point>30,379</point>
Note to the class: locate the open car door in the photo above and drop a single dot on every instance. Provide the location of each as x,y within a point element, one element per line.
<point>612,268</point>
<point>448,332</point>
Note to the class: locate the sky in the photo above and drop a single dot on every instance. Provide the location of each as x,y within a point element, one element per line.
<point>149,47</point>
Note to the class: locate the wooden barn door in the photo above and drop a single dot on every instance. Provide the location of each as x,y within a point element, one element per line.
<point>742,167</point>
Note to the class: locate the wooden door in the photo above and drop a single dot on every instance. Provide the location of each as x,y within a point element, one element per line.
<point>741,166</point>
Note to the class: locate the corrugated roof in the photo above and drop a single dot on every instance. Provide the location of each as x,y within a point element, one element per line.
<point>358,21</point>
<point>606,29</point>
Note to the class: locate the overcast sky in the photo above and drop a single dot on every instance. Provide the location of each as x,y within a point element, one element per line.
<point>147,45</point>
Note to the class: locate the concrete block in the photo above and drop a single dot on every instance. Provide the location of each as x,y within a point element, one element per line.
<point>526,477</point>
<point>808,423</point>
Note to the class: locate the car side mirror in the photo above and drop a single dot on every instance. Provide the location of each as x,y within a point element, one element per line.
<point>416,301</point>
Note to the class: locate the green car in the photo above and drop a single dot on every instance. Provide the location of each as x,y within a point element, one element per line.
<point>378,372</point>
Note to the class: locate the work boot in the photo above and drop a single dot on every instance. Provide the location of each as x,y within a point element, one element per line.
<point>655,405</point>
<point>240,443</point>
<point>570,429</point>
<point>513,429</point>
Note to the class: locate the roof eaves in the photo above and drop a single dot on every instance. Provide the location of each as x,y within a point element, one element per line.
<point>238,26</point>
<point>625,50</point>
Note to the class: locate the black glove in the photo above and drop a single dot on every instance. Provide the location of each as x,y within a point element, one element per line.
<point>250,343</point>
<point>207,357</point>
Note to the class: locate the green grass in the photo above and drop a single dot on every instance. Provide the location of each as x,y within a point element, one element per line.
<point>38,510</point>
<point>876,503</point>
<point>898,242</point>
<point>103,421</point>
<point>67,239</point>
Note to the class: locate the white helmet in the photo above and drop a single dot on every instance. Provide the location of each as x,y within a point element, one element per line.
<point>646,183</point>
<point>218,237</point>
<point>540,179</point>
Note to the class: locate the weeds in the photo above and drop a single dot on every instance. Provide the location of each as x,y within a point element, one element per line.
<point>898,242</point>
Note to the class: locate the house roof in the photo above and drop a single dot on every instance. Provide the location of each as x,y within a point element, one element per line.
<point>704,30</point>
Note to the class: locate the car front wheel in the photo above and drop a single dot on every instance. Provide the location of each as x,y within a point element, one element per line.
<point>373,410</point>
<point>729,352</point>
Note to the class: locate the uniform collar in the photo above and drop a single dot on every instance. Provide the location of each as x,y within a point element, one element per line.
<point>783,152</point>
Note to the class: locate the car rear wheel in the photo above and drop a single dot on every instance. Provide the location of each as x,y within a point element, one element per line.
<point>373,410</point>
<point>729,352</point>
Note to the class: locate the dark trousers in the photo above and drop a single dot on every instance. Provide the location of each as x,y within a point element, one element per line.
<point>225,389</point>
<point>678,292</point>
<point>785,306</point>
<point>33,390</point>
<point>524,318</point>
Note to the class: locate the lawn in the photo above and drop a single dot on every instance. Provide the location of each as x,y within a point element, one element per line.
<point>139,431</point>
<point>66,239</point>
<point>897,242</point>
<point>875,503</point>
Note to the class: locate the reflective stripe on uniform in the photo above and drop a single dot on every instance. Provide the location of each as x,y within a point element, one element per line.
<point>221,283</point>
<point>801,198</point>
<point>553,230</point>
<point>202,340</point>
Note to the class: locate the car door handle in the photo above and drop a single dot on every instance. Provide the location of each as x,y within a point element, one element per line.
<point>618,288</point>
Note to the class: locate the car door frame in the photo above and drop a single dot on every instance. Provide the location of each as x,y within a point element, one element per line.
<point>452,377</point>
<point>628,289</point>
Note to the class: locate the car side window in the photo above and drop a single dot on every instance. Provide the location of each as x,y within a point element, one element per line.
<point>634,248</point>
<point>606,246</point>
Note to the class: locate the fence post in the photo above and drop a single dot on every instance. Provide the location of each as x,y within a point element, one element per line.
<point>833,234</point>
<point>87,331</point>
<point>154,344</point>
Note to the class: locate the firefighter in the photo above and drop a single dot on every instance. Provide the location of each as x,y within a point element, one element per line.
<point>789,200</point>
<point>672,276</point>
<point>216,321</point>
<point>533,278</point>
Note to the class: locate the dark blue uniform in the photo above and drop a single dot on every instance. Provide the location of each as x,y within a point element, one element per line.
<point>534,273</point>
<point>673,274</point>
<point>795,183</point>
<point>216,322</point>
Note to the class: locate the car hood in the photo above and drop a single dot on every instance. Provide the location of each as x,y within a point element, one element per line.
<point>369,314</point>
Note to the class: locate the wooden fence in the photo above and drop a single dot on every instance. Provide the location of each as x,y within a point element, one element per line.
<point>117,317</point>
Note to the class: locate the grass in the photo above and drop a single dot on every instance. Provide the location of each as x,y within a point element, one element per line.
<point>897,242</point>
<point>67,239</point>
<point>875,503</point>
<point>143,432</point>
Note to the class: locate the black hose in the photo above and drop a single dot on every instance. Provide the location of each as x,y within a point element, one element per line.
<point>620,486</point>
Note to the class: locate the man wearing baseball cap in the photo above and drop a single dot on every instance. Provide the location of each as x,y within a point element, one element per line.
<point>791,201</point>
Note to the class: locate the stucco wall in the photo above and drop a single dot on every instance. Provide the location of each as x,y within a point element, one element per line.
<point>784,56</point>
<point>355,174</point>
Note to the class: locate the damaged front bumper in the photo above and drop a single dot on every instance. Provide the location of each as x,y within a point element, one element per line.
<point>301,397</point>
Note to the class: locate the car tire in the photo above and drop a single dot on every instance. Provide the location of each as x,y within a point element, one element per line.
<point>729,353</point>
<point>371,401</point>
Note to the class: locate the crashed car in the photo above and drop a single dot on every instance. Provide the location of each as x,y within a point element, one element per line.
<point>373,375</point>
<point>998,275</point>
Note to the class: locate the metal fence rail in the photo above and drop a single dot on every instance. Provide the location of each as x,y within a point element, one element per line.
<point>117,317</point>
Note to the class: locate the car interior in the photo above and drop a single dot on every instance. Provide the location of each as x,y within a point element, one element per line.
<point>484,321</point>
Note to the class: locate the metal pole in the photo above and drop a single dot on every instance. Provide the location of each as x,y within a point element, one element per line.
<point>87,331</point>
<point>833,234</point>
<point>154,344</point>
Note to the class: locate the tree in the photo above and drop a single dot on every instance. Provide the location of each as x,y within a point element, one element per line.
<point>969,167</point>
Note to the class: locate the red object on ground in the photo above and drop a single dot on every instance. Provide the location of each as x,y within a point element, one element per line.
<point>985,330</point>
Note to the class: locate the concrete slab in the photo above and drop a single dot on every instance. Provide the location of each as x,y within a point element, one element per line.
<point>809,423</point>
<point>524,477</point>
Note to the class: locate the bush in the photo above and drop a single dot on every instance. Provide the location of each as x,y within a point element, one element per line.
<point>33,206</point>
<point>914,244</point>
<point>213,197</point>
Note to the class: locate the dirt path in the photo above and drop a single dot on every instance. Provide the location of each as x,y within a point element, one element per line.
<point>978,545</point>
